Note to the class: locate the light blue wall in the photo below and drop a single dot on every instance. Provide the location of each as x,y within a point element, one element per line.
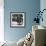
<point>43,6</point>
<point>28,6</point>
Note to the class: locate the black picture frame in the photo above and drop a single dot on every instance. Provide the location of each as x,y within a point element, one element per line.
<point>17,19</point>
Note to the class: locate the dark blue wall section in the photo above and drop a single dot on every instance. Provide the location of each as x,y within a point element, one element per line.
<point>28,6</point>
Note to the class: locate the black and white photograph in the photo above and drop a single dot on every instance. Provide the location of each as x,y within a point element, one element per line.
<point>17,19</point>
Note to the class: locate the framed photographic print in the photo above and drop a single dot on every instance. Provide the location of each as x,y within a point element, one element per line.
<point>17,19</point>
